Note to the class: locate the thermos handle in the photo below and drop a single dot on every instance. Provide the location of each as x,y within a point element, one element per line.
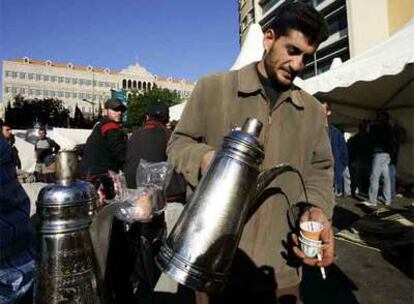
<point>265,178</point>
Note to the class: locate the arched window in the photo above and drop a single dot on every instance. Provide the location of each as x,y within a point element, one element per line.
<point>144,86</point>
<point>134,84</point>
<point>149,85</point>
<point>139,85</point>
<point>124,84</point>
<point>129,84</point>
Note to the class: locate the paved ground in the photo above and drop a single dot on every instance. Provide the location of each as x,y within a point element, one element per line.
<point>362,275</point>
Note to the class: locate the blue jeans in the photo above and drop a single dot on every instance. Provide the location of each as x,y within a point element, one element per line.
<point>380,167</point>
<point>393,172</point>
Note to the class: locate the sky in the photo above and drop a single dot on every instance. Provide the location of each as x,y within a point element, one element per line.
<point>177,38</point>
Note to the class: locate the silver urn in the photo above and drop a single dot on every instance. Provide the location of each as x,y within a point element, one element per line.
<point>199,251</point>
<point>65,262</point>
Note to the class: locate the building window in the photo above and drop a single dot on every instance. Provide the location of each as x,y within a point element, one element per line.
<point>38,77</point>
<point>38,92</point>
<point>94,83</point>
<point>14,74</point>
<point>88,82</point>
<point>8,73</point>
<point>80,81</point>
<point>74,81</point>
<point>53,78</point>
<point>67,94</point>
<point>30,76</point>
<point>22,75</point>
<point>60,94</point>
<point>60,79</point>
<point>52,93</point>
<point>75,95</point>
<point>124,84</point>
<point>88,96</point>
<point>67,80</point>
<point>31,91</point>
<point>45,77</point>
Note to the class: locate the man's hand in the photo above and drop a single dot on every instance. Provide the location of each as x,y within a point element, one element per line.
<point>206,160</point>
<point>327,238</point>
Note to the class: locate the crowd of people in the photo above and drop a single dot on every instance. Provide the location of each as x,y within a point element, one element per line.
<point>365,165</point>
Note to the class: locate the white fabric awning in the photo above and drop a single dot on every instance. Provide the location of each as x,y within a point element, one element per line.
<point>381,78</point>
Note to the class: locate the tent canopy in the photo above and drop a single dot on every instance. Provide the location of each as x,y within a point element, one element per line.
<point>381,78</point>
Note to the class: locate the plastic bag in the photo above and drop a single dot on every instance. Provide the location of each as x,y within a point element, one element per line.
<point>149,198</point>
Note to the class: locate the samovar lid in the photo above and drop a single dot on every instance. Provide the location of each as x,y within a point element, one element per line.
<point>75,193</point>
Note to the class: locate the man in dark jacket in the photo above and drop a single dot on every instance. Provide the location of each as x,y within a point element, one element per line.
<point>150,143</point>
<point>45,148</point>
<point>105,148</point>
<point>16,232</point>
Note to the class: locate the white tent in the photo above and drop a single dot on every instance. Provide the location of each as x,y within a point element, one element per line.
<point>251,50</point>
<point>176,110</point>
<point>381,78</point>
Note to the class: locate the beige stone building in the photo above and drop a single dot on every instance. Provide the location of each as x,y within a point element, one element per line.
<point>85,86</point>
<point>354,25</point>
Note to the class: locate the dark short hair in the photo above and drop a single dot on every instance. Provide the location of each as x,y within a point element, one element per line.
<point>159,111</point>
<point>42,129</point>
<point>1,122</point>
<point>301,17</point>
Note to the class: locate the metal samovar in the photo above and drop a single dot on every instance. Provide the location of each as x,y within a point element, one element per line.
<point>65,262</point>
<point>200,248</point>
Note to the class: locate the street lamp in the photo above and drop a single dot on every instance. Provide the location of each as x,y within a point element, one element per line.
<point>93,104</point>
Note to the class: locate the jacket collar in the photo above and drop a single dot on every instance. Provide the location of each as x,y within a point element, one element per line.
<point>249,83</point>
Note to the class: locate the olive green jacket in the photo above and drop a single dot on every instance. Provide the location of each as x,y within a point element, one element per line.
<point>293,132</point>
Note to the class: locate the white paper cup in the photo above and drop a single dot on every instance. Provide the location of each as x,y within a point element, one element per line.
<point>309,247</point>
<point>311,229</point>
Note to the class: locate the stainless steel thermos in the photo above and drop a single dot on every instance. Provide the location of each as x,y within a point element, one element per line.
<point>201,246</point>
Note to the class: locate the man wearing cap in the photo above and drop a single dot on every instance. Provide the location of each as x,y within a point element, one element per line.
<point>105,148</point>
<point>150,143</point>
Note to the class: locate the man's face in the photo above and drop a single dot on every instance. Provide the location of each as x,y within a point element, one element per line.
<point>42,134</point>
<point>7,132</point>
<point>114,115</point>
<point>285,55</point>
